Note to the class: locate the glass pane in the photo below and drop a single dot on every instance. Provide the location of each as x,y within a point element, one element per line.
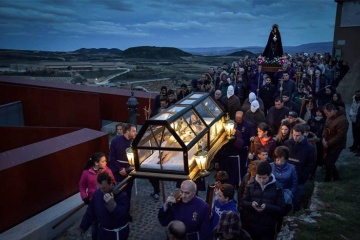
<point>188,101</point>
<point>194,124</point>
<point>211,105</point>
<point>164,115</point>
<point>197,95</point>
<point>174,109</point>
<point>149,138</point>
<point>205,113</point>
<point>216,130</point>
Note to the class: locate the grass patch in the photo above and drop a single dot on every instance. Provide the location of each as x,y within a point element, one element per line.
<point>341,204</point>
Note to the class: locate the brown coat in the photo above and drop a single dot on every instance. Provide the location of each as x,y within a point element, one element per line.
<point>335,129</point>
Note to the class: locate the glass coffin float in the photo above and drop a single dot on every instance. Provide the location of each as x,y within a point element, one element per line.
<point>166,145</point>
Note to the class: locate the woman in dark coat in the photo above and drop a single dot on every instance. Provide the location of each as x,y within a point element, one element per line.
<point>274,47</point>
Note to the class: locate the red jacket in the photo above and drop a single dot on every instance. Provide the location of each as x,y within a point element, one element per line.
<point>88,182</point>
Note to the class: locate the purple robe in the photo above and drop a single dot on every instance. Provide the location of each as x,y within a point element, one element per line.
<point>117,219</point>
<point>194,214</point>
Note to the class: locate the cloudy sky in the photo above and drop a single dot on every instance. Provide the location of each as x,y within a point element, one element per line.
<point>67,25</point>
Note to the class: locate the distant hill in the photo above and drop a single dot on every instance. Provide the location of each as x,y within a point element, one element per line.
<point>319,47</point>
<point>155,52</point>
<point>243,53</point>
<point>98,51</point>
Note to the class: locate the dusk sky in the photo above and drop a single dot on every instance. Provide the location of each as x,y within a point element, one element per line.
<point>67,25</point>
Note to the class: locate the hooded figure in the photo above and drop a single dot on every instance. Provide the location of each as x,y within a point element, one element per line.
<point>254,106</point>
<point>254,114</point>
<point>247,103</point>
<point>230,91</point>
<point>252,97</point>
<point>231,102</point>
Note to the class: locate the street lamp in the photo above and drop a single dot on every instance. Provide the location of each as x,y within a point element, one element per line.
<point>229,128</point>
<point>202,163</point>
<point>130,156</point>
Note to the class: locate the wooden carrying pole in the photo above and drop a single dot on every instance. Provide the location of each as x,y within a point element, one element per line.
<point>117,189</point>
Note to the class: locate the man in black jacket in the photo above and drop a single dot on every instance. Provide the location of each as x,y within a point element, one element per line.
<point>303,156</point>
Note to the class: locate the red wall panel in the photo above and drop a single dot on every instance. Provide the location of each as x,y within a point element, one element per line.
<point>39,175</point>
<point>15,137</point>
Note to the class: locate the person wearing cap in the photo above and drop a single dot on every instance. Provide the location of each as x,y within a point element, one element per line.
<point>299,98</point>
<point>263,203</point>
<point>255,115</point>
<point>231,102</point>
<point>229,227</point>
<point>293,119</point>
<point>247,103</point>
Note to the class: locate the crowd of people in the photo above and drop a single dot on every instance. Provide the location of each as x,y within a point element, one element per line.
<point>287,123</point>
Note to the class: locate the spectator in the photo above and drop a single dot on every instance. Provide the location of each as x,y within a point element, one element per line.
<point>119,129</point>
<point>334,139</point>
<point>218,98</point>
<point>302,155</point>
<point>88,182</point>
<point>229,227</point>
<point>283,133</point>
<point>248,177</point>
<point>263,139</point>
<point>221,177</point>
<point>337,100</point>
<point>267,94</point>
<point>156,106</point>
<point>285,85</point>
<point>183,92</point>
<point>276,114</point>
<point>263,204</point>
<point>171,97</point>
<point>325,95</point>
<point>288,103</point>
<point>293,119</point>
<point>263,155</point>
<point>299,98</point>
<point>354,116</point>
<point>284,172</point>
<point>225,202</point>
